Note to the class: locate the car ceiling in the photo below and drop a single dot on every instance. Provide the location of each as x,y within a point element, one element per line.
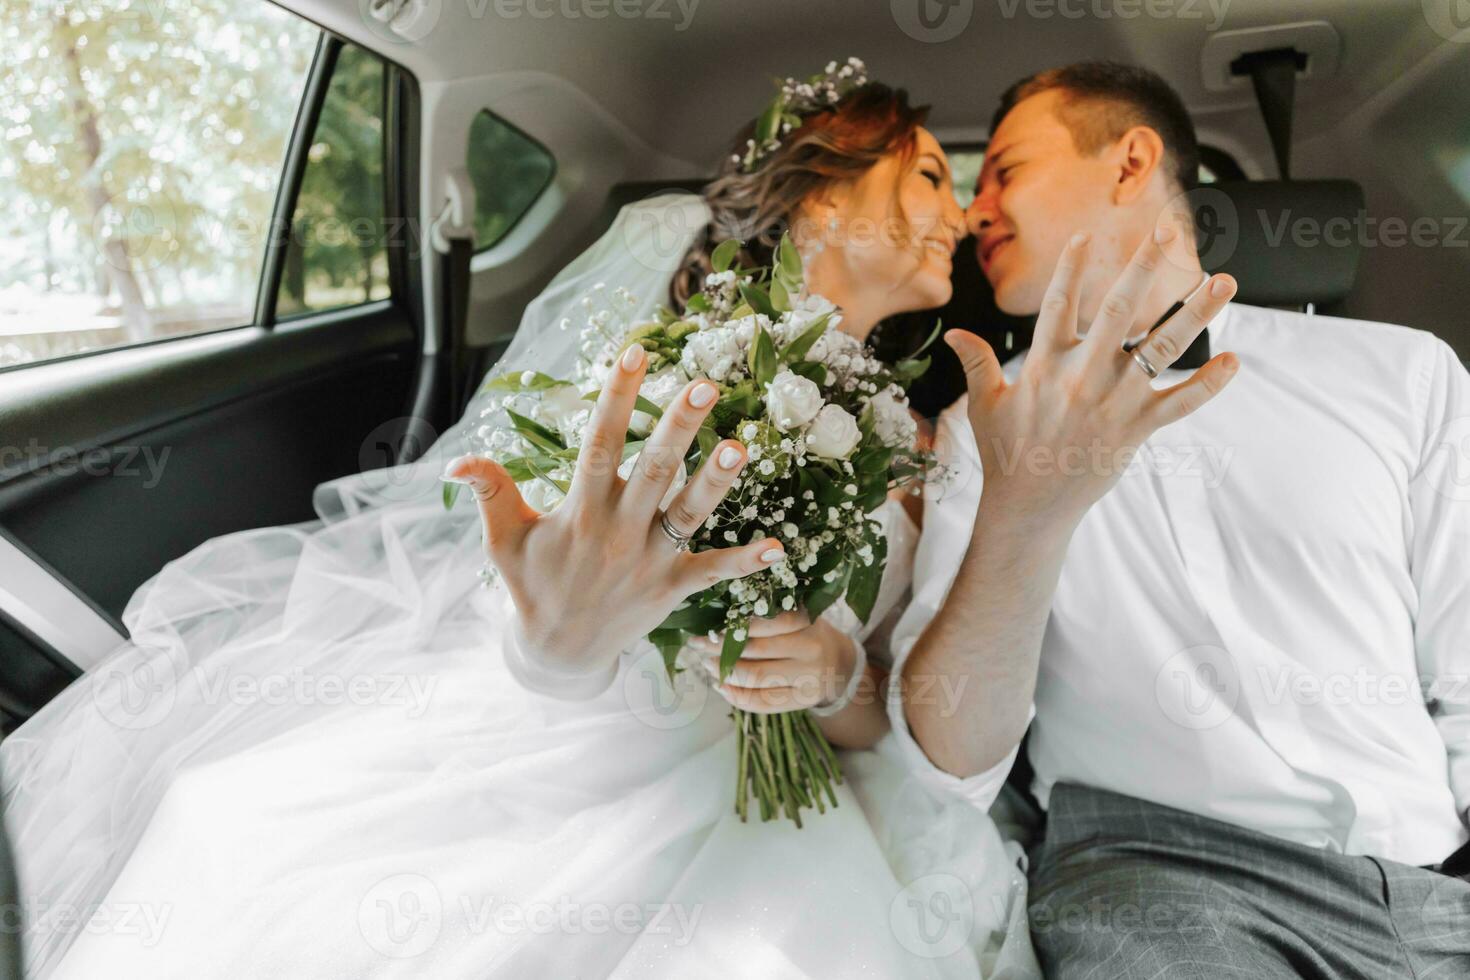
<point>685,91</point>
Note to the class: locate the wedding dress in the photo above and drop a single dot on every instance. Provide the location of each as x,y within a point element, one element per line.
<point>309,760</point>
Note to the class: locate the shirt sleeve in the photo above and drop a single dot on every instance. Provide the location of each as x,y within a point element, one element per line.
<point>1439,501</point>
<point>949,519</point>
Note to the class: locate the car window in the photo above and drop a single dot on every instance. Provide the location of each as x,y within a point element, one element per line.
<point>141,155</point>
<point>509,170</point>
<point>337,254</point>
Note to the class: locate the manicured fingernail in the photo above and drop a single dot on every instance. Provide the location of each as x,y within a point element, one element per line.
<point>1220,288</point>
<point>773,555</point>
<point>1080,239</point>
<point>448,475</point>
<point>1164,233</point>
<point>702,394</point>
<point>728,458</point>
<point>632,358</point>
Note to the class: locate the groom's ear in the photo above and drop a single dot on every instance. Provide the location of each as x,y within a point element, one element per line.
<point>1138,155</point>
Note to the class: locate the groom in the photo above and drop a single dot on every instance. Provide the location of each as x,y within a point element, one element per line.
<point>1250,675</point>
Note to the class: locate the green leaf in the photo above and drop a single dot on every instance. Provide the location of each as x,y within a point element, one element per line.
<point>694,619</point>
<point>818,601</point>
<point>810,370</point>
<point>513,381</point>
<point>780,298</point>
<point>798,348</point>
<point>788,259</point>
<point>911,369</point>
<point>862,586</point>
<point>762,357</point>
<point>724,253</point>
<point>669,643</point>
<point>535,433</point>
<point>732,648</point>
<point>757,299</point>
<point>698,303</point>
<point>708,440</point>
<point>451,492</point>
<point>523,468</point>
<point>769,123</point>
<point>639,402</point>
<point>933,334</point>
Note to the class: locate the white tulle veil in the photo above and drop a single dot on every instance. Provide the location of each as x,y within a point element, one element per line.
<point>384,571</point>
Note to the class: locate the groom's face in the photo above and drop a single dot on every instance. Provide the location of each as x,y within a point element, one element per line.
<point>1035,191</point>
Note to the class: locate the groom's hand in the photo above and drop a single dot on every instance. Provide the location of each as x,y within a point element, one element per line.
<point>1055,440</point>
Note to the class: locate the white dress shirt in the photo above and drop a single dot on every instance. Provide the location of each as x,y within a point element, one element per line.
<point>1267,620</point>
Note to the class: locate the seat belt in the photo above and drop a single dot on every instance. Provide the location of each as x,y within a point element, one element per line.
<point>1273,74</point>
<point>453,238</point>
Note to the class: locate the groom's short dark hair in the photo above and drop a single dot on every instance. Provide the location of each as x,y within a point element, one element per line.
<point>1102,100</point>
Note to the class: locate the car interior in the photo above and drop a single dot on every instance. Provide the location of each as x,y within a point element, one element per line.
<point>413,172</point>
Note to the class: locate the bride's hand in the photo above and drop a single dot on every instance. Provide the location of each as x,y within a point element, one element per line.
<point>1056,439</point>
<point>789,662</point>
<point>597,572</point>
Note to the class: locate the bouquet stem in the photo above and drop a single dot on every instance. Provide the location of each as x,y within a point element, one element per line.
<point>785,763</point>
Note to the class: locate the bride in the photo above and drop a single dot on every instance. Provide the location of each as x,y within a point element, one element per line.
<point>325,751</point>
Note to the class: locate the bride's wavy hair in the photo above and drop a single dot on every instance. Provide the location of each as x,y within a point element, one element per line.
<point>841,143</point>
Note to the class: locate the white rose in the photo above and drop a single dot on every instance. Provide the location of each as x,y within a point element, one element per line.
<point>710,353</point>
<point>660,389</point>
<point>542,496</point>
<point>892,423</point>
<point>792,401</point>
<point>832,345</point>
<point>561,403</point>
<point>833,433</point>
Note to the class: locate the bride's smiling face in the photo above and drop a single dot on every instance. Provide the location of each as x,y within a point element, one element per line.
<point>883,243</point>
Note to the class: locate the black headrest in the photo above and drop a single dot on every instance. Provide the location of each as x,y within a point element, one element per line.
<point>1286,242</point>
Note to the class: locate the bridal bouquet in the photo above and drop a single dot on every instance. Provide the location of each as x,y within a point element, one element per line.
<point>828,434</point>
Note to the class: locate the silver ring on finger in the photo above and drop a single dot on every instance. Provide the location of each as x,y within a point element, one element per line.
<point>678,539</point>
<point>1144,364</point>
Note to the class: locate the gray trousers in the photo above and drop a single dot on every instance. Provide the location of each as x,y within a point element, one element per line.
<point>1121,888</point>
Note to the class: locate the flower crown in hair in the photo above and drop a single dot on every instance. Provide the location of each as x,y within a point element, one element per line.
<point>795,100</point>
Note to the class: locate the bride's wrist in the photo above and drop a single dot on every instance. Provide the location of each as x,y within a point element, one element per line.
<point>567,678</point>
<point>852,651</point>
